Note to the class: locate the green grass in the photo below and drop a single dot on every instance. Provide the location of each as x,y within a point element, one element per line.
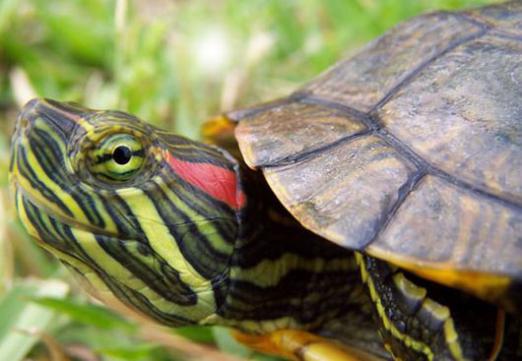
<point>150,58</point>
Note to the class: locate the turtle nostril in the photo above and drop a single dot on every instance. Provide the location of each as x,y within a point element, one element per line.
<point>27,114</point>
<point>29,109</point>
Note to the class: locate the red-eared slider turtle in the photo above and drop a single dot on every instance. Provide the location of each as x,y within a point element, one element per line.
<point>400,169</point>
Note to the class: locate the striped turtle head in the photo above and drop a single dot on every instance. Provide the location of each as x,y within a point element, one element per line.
<point>142,214</point>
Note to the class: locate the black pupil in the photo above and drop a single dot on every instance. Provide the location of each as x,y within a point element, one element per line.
<point>122,154</point>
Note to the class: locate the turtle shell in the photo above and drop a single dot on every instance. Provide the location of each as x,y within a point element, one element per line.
<point>411,150</point>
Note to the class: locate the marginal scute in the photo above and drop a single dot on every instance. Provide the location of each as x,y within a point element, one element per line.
<point>440,223</point>
<point>506,17</point>
<point>462,113</point>
<point>294,128</point>
<point>362,81</point>
<point>346,193</point>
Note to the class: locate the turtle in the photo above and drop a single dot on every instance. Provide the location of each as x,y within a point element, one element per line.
<point>373,214</point>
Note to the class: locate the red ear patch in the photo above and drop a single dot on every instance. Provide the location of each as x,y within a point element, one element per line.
<point>219,183</point>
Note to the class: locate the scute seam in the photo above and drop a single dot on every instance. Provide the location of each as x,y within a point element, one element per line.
<point>364,118</point>
<point>424,165</point>
<point>311,153</point>
<point>403,193</point>
<point>411,76</point>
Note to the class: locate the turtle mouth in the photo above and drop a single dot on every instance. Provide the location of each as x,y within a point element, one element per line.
<point>60,216</point>
<point>44,125</point>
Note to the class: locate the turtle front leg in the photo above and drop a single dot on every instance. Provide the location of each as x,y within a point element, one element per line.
<point>416,327</point>
<point>302,346</point>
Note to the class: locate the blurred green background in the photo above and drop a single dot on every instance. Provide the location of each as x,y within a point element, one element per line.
<point>173,63</point>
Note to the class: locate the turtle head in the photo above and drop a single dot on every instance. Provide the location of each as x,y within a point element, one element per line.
<point>144,215</point>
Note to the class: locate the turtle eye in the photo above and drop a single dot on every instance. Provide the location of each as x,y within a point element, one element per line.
<point>117,158</point>
<point>122,154</point>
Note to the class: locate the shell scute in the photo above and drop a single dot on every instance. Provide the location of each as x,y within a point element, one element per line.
<point>366,78</point>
